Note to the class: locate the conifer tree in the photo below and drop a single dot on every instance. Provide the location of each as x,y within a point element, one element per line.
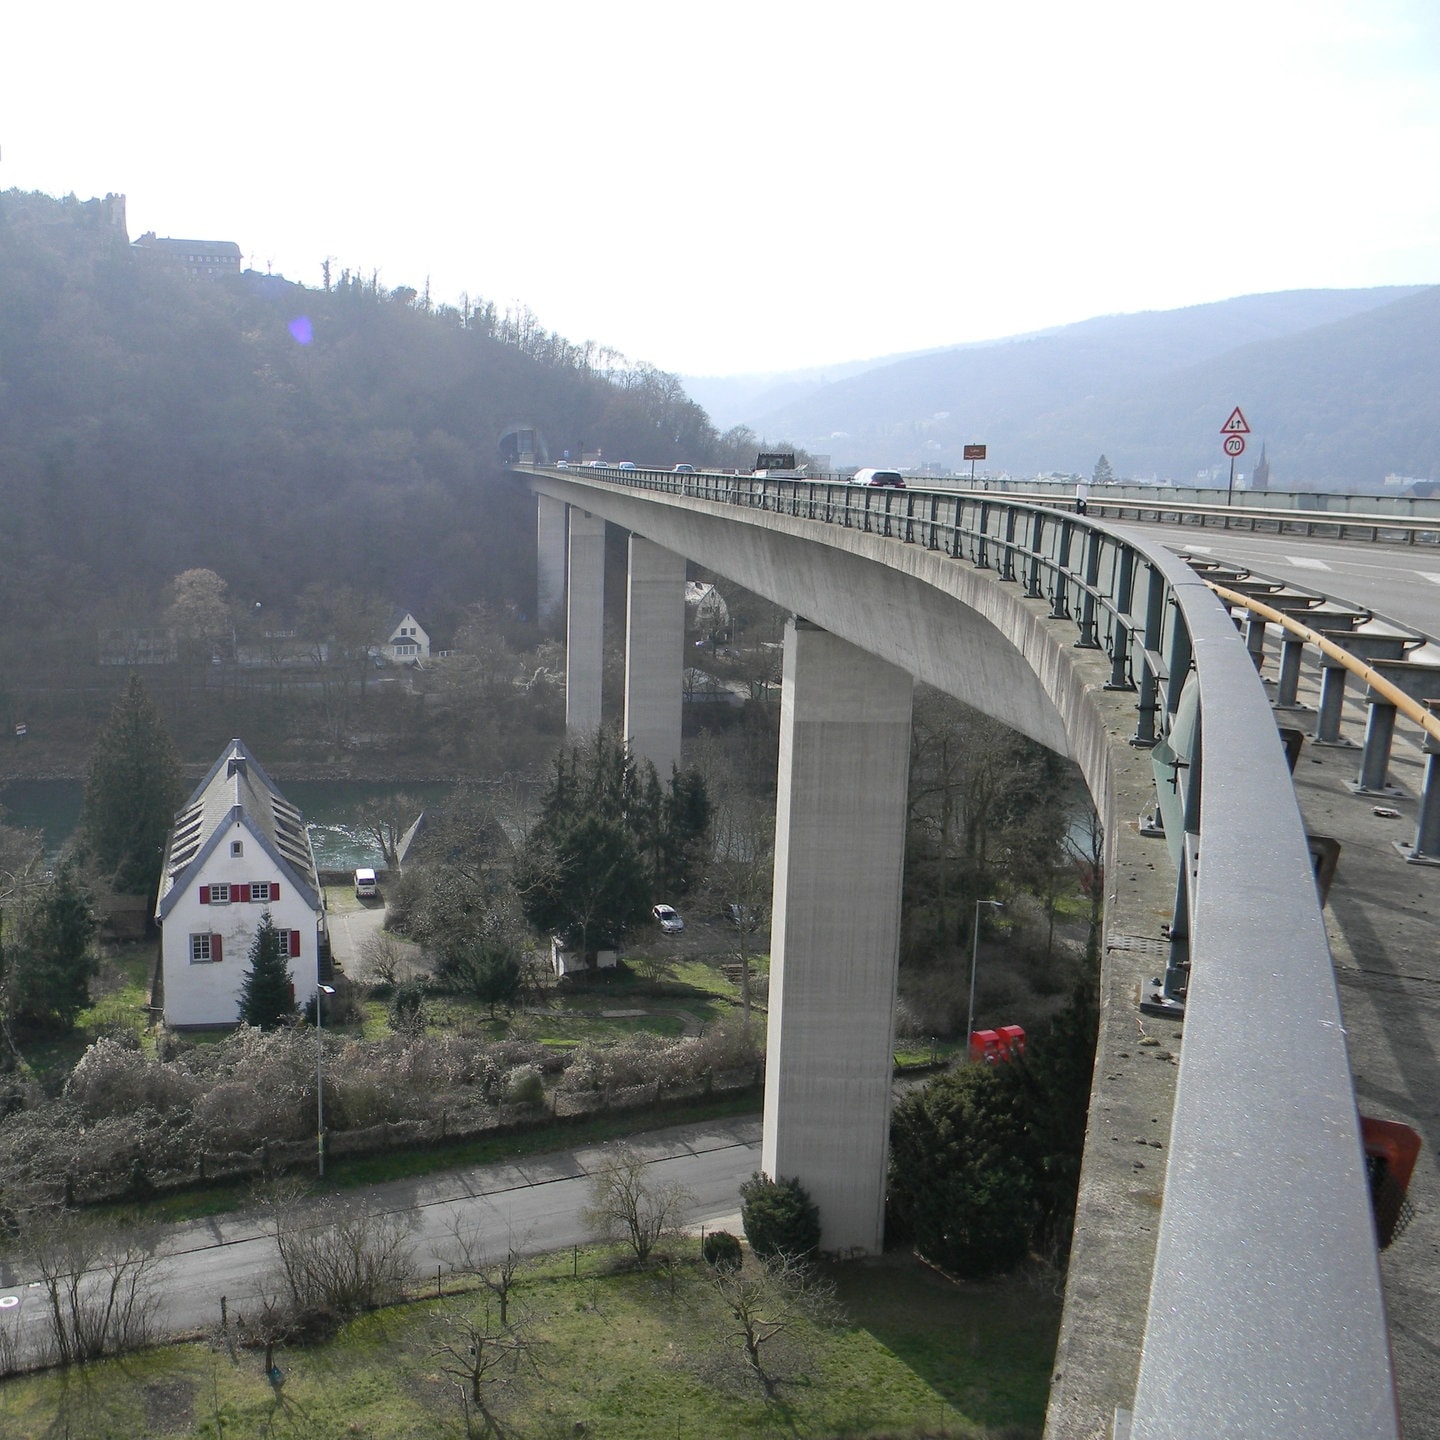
<point>267,997</point>
<point>51,961</point>
<point>132,791</point>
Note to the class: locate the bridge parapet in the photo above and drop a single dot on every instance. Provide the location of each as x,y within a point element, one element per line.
<point>1264,1313</point>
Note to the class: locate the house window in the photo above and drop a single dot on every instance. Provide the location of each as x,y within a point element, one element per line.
<point>237,847</point>
<point>289,942</point>
<point>219,894</point>
<point>204,949</point>
<point>260,890</point>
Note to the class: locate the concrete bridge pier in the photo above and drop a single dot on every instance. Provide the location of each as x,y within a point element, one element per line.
<point>654,653</point>
<point>550,558</point>
<point>584,625</point>
<point>839,857</point>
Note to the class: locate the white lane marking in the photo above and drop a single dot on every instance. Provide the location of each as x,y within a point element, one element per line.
<point>1304,562</point>
<point>1199,549</point>
<point>1429,575</point>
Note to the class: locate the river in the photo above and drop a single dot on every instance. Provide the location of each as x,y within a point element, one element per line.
<point>53,806</point>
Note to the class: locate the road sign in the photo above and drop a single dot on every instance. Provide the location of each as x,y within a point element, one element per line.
<point>1234,445</point>
<point>974,452</point>
<point>1235,425</point>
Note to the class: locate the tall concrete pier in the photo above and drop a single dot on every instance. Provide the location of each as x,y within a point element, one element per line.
<point>584,625</point>
<point>654,653</point>
<point>835,935</point>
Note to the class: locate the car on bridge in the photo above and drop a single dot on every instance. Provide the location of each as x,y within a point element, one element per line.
<point>869,476</point>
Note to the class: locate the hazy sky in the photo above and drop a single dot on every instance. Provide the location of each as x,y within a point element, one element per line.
<point>758,186</point>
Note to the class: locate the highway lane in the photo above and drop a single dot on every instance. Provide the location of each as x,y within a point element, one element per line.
<point>1398,581</point>
<point>532,1204</point>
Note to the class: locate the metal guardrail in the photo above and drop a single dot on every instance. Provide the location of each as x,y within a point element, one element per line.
<point>1265,1316</point>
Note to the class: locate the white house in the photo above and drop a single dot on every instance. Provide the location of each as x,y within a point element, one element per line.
<point>705,608</point>
<point>409,640</point>
<point>239,848</point>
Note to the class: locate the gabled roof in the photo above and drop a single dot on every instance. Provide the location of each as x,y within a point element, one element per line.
<point>399,615</point>
<point>237,790</point>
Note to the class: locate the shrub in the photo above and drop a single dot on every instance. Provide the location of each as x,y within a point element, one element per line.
<point>407,1008</point>
<point>721,1250</point>
<point>525,1086</point>
<point>960,1185</point>
<point>114,1078</point>
<point>780,1218</point>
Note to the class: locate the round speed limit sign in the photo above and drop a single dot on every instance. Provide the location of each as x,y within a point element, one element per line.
<point>1234,445</point>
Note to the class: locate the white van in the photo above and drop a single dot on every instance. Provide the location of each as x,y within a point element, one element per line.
<point>365,887</point>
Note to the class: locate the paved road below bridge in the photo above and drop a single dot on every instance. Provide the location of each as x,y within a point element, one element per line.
<point>532,1203</point>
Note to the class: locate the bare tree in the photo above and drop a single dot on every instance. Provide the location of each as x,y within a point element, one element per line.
<point>466,1254</point>
<point>385,819</point>
<point>99,1284</point>
<point>483,1356</point>
<point>626,1205</point>
<point>333,1257</point>
<point>768,1306</point>
<point>742,873</point>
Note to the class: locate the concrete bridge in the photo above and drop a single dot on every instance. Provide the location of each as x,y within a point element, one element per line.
<point>1253,1307</point>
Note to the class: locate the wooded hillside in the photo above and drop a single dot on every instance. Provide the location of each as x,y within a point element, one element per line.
<point>151,423</point>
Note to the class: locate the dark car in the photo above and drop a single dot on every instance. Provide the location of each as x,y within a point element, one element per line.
<point>891,478</point>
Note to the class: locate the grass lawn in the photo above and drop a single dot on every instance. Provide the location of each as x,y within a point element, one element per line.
<point>621,1354</point>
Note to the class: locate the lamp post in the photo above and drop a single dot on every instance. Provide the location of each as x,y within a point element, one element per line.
<point>974,959</point>
<point>320,991</point>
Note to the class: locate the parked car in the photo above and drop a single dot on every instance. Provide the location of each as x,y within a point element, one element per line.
<point>870,476</point>
<point>670,921</point>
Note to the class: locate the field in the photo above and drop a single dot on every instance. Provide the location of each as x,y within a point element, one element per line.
<point>619,1353</point>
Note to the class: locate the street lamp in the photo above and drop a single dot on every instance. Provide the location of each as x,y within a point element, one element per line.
<point>974,958</point>
<point>320,990</point>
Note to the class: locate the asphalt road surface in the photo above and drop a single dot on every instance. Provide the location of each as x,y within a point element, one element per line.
<point>1398,581</point>
<point>532,1205</point>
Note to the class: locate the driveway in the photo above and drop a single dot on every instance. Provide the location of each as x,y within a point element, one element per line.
<point>352,922</point>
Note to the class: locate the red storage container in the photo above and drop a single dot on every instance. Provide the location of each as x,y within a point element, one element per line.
<point>1012,1041</point>
<point>985,1047</point>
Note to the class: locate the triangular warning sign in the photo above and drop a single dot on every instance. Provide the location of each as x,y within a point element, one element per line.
<point>1235,425</point>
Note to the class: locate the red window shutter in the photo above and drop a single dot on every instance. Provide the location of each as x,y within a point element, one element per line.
<point>294,942</point>
<point>204,894</point>
<point>274,891</point>
<point>242,893</point>
<point>215,954</point>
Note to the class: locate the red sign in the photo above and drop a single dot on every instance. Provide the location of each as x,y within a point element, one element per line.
<point>1235,425</point>
<point>974,452</point>
<point>1234,445</point>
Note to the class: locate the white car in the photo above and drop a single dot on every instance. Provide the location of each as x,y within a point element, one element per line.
<point>670,922</point>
